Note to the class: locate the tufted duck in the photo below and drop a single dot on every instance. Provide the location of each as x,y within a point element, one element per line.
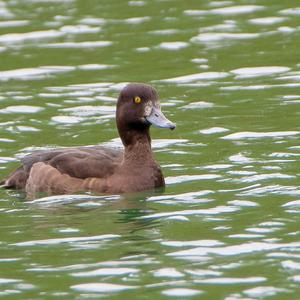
<point>98,168</point>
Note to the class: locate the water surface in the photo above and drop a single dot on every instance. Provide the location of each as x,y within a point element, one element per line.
<point>228,73</point>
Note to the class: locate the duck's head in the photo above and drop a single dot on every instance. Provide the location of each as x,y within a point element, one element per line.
<point>137,108</point>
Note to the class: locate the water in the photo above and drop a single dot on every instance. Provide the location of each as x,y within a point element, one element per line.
<point>228,74</point>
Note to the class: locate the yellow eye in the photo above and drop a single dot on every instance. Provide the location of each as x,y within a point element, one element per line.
<point>137,99</point>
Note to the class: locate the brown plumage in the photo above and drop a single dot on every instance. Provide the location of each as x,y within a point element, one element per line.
<point>97,168</point>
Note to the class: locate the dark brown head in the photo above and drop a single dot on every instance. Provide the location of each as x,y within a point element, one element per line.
<point>137,108</point>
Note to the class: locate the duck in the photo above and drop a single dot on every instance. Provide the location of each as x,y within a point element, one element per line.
<point>101,169</point>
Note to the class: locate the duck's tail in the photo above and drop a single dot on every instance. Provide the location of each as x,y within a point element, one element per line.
<point>17,179</point>
<point>3,184</point>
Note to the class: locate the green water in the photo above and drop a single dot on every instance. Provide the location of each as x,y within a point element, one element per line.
<point>228,74</point>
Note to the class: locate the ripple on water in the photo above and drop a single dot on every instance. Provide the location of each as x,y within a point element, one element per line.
<point>197,77</point>
<point>181,292</point>
<point>67,119</point>
<point>202,243</point>
<point>68,230</point>
<point>192,212</point>
<point>246,248</point>
<point>258,87</point>
<point>89,110</point>
<point>107,272</point>
<point>227,26</point>
<point>201,60</point>
<point>79,29</point>
<point>92,67</point>
<point>260,177</point>
<point>267,20</point>
<point>256,135</point>
<point>203,273</point>
<point>86,44</point>
<point>261,230</point>
<point>6,159</point>
<point>290,11</point>
<point>35,35</point>
<point>136,3</point>
<point>284,154</point>
<point>178,218</point>
<point>101,287</point>
<point>134,260</point>
<point>26,129</point>
<point>14,23</point>
<point>65,199</point>
<point>226,11</point>
<point>33,73</point>
<point>295,203</point>
<point>9,280</point>
<point>58,241</point>
<point>143,49</point>
<point>192,197</point>
<point>4,11</point>
<point>246,236</point>
<point>106,266</point>
<point>195,12</point>
<point>296,278</point>
<point>286,29</point>
<point>259,71</point>
<point>213,37</point>
<point>263,291</point>
<point>93,21</point>
<point>167,272</point>
<point>49,1</point>
<point>231,280</point>
<point>187,178</point>
<point>274,189</point>
<point>198,105</point>
<point>173,45</point>
<point>243,203</point>
<point>13,259</point>
<point>21,109</point>
<point>90,87</point>
<point>217,166</point>
<point>136,20</point>
<point>237,9</point>
<point>291,265</point>
<point>213,130</point>
<point>240,158</point>
<point>164,31</point>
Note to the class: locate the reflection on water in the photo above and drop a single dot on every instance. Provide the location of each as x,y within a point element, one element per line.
<point>226,226</point>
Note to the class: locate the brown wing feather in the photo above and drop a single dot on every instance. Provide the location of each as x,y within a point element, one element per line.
<point>80,162</point>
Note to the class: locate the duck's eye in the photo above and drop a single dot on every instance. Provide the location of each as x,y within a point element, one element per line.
<point>137,100</point>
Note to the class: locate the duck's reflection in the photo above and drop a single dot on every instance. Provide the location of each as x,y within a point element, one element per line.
<point>133,207</point>
<point>120,214</point>
<point>138,233</point>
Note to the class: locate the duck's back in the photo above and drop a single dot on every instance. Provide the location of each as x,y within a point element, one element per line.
<point>80,162</point>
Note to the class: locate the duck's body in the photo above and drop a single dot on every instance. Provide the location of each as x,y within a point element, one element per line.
<point>97,168</point>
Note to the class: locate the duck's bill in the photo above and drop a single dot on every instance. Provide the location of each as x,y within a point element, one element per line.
<point>158,119</point>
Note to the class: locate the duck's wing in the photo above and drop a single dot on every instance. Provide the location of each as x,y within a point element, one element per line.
<point>81,162</point>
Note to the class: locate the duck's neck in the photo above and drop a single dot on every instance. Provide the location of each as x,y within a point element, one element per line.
<point>137,145</point>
